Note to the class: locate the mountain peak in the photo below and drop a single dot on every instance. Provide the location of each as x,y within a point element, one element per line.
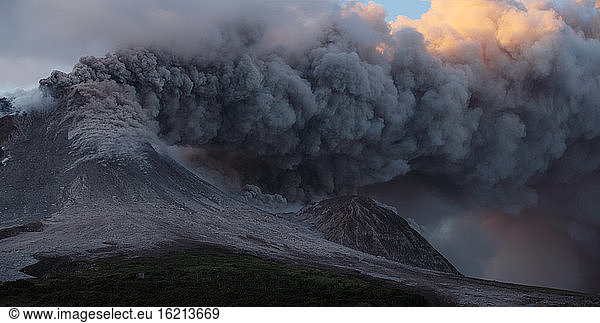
<point>361,223</point>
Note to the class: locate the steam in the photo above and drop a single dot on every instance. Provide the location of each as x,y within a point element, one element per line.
<point>24,101</point>
<point>503,104</point>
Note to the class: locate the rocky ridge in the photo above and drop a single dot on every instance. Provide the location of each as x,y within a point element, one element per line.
<point>360,223</point>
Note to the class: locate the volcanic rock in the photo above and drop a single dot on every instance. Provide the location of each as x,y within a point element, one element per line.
<point>7,127</point>
<point>360,223</point>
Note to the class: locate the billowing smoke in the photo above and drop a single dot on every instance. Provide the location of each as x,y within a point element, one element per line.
<point>497,97</point>
<point>492,104</point>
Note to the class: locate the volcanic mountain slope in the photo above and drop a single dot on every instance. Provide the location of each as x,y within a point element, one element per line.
<point>7,128</point>
<point>5,106</point>
<point>132,202</point>
<point>7,124</point>
<point>359,223</point>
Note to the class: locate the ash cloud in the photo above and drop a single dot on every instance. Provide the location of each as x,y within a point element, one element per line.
<point>362,101</point>
<point>503,105</point>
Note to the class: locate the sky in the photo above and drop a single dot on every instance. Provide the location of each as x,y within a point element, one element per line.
<point>410,8</point>
<point>23,64</point>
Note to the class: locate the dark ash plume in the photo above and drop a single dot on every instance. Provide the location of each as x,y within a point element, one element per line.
<point>358,105</point>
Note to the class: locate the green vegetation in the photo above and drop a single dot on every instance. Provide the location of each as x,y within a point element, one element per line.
<point>202,278</point>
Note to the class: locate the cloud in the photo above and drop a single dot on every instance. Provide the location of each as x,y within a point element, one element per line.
<point>38,36</point>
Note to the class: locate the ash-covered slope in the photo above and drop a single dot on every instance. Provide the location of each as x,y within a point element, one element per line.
<point>7,122</point>
<point>111,204</point>
<point>359,223</point>
<point>5,106</point>
<point>48,173</point>
<point>7,129</point>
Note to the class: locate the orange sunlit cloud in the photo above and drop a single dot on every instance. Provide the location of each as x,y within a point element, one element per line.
<point>450,24</point>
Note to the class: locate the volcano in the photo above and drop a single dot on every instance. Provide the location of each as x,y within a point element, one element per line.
<point>360,223</point>
<point>252,127</point>
<point>90,208</point>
